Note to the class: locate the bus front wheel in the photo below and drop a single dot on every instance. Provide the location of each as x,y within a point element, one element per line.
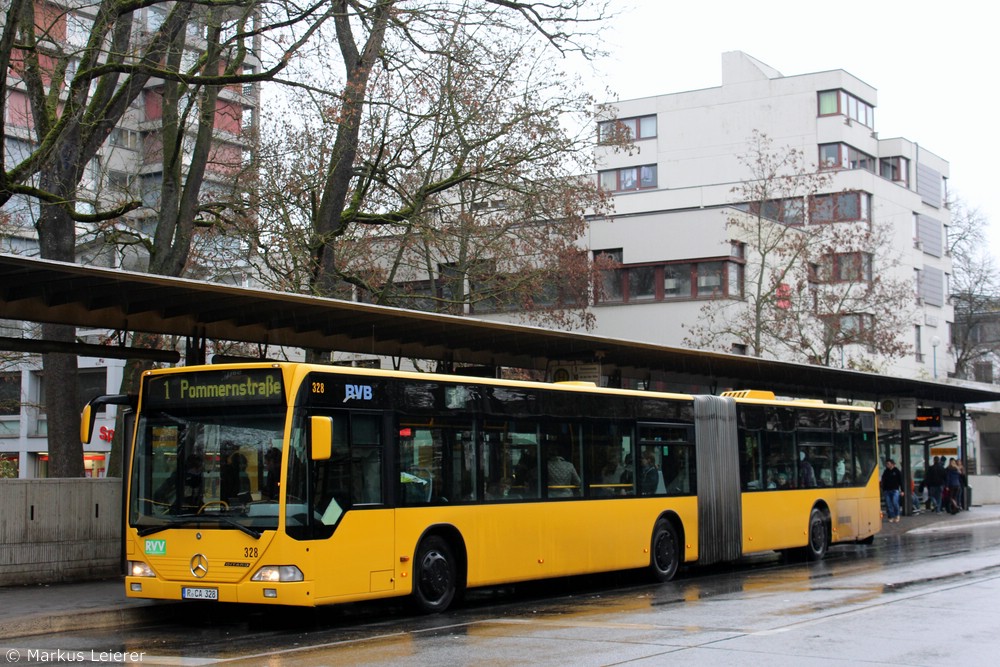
<point>664,551</point>
<point>819,536</point>
<point>435,576</point>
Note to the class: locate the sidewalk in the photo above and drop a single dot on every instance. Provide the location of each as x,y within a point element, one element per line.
<point>90,605</point>
<point>929,521</point>
<point>36,610</point>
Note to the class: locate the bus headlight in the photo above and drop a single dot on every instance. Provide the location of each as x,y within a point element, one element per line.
<point>278,573</point>
<point>136,568</point>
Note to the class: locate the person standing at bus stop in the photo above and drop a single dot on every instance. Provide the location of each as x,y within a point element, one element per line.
<point>892,484</point>
<point>935,483</point>
<point>953,480</point>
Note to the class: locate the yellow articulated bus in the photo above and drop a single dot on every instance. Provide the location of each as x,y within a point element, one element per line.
<point>297,484</point>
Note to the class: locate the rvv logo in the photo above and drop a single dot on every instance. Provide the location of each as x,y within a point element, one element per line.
<point>156,547</point>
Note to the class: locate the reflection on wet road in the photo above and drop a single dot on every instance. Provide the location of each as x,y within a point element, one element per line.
<point>862,604</point>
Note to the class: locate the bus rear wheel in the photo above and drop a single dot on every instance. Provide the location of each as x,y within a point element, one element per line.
<point>435,576</point>
<point>664,556</point>
<point>819,537</point>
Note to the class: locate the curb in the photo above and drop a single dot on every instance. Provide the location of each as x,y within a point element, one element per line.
<point>88,619</point>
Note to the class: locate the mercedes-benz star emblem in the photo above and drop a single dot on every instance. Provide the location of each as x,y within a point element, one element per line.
<point>199,565</point>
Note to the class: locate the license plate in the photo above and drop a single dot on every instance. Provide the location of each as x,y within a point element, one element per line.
<point>200,593</point>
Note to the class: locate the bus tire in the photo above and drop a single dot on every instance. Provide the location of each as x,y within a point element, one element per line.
<point>819,536</point>
<point>664,551</point>
<point>435,576</point>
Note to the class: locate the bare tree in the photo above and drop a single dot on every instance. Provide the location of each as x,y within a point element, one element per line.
<point>820,279</point>
<point>386,36</point>
<point>850,306</point>
<point>464,193</point>
<point>975,294</point>
<point>71,88</point>
<point>768,218</point>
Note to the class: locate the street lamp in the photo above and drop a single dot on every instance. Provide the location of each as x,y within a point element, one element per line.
<point>934,346</point>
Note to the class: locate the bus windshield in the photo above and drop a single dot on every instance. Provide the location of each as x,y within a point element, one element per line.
<point>207,467</point>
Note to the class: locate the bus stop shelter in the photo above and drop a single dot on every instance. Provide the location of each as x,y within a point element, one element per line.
<point>54,292</point>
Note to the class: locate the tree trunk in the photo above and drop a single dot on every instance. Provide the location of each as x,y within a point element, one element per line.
<point>59,374</point>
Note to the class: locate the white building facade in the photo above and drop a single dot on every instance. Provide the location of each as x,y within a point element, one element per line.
<point>674,191</point>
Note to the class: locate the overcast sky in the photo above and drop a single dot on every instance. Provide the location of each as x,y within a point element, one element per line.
<point>932,63</point>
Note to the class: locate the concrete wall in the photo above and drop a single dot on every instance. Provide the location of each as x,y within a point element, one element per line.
<point>985,489</point>
<point>54,530</point>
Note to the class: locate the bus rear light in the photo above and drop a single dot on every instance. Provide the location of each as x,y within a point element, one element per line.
<point>137,568</point>
<point>271,573</point>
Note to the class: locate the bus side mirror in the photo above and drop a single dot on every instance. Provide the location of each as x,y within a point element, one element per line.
<point>87,418</point>
<point>89,413</point>
<point>321,436</point>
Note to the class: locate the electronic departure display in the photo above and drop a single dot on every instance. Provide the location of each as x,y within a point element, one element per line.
<point>256,386</point>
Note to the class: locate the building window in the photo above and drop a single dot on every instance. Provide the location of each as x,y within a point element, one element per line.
<point>672,281</point>
<point>790,211</point>
<point>847,267</point>
<point>248,86</point>
<point>628,178</point>
<point>710,279</point>
<point>122,138</point>
<point>840,207</point>
<point>10,393</point>
<point>848,328</point>
<point>119,181</point>
<point>639,127</point>
<point>642,283</point>
<point>918,343</point>
<point>982,371</point>
<point>842,103</point>
<point>677,281</point>
<point>842,156</point>
<point>91,383</point>
<point>896,169</point>
<point>611,288</point>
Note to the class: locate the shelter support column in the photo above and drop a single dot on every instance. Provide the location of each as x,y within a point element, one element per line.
<point>906,499</point>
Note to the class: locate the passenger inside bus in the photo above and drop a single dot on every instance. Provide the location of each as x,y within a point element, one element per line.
<point>649,475</point>
<point>807,478</point>
<point>564,480</point>
<point>234,480</point>
<point>500,490</point>
<point>272,463</point>
<point>194,492</point>
<point>526,474</point>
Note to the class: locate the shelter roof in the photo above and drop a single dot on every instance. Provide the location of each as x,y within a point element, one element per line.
<point>55,292</point>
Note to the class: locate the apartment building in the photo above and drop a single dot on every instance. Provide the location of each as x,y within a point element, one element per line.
<point>678,187</point>
<point>128,166</point>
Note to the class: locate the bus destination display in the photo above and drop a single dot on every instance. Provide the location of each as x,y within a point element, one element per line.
<point>261,386</point>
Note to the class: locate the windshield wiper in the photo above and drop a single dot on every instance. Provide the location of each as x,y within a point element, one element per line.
<point>196,519</point>
<point>246,529</point>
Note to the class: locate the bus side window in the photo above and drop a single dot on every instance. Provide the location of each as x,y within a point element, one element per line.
<point>562,465</point>
<point>779,458</point>
<point>608,447</point>
<point>496,464</point>
<point>750,461</point>
<point>679,470</point>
